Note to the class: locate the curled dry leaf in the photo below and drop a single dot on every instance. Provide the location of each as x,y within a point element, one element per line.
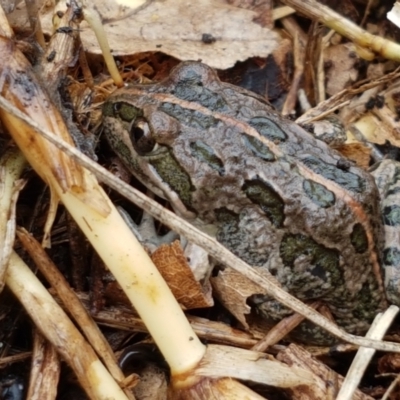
<point>357,152</point>
<point>179,28</point>
<point>233,290</point>
<point>171,262</point>
<point>380,126</point>
<point>342,72</point>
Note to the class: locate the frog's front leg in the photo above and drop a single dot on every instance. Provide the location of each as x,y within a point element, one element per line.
<point>146,232</point>
<point>387,177</point>
<point>147,235</point>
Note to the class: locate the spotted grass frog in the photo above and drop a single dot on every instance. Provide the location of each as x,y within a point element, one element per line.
<point>265,188</point>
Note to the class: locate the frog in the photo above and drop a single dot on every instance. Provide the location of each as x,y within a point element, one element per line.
<point>268,190</point>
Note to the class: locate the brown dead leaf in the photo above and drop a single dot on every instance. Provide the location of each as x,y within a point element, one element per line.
<point>233,289</point>
<point>378,126</point>
<point>174,268</point>
<point>212,31</point>
<point>357,152</point>
<point>341,62</point>
<point>386,127</point>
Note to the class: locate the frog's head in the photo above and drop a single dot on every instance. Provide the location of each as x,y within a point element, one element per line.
<point>142,134</point>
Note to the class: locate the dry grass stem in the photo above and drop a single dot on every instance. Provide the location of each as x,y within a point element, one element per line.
<point>70,300</point>
<point>61,332</point>
<point>317,11</point>
<point>45,371</point>
<point>92,17</point>
<point>11,166</point>
<point>364,355</point>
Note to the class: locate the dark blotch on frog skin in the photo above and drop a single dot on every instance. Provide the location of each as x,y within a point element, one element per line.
<point>206,154</point>
<point>258,148</point>
<point>192,118</point>
<point>172,173</point>
<point>367,303</point>
<point>190,88</point>
<point>396,175</point>
<point>318,193</point>
<point>391,256</point>
<point>236,239</point>
<point>394,188</point>
<point>267,198</point>
<point>391,259</point>
<point>268,129</point>
<point>345,179</point>
<point>391,215</point>
<point>321,277</point>
<point>393,191</point>
<point>358,238</point>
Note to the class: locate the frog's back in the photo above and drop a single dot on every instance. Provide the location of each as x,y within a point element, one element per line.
<point>284,200</point>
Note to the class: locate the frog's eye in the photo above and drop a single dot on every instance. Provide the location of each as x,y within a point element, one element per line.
<point>141,137</point>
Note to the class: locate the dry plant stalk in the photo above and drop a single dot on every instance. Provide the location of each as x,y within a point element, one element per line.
<point>45,370</point>
<point>61,332</point>
<point>69,298</point>
<point>93,18</point>
<point>11,166</point>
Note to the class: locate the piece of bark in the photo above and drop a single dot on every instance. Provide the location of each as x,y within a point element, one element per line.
<point>326,381</point>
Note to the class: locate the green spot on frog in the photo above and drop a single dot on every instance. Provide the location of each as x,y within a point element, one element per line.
<point>171,172</point>
<point>268,129</point>
<point>358,238</point>
<point>258,148</point>
<point>344,178</point>
<point>192,118</point>
<point>391,215</point>
<point>318,193</point>
<point>108,109</point>
<point>125,111</point>
<point>267,198</point>
<point>367,303</point>
<point>206,154</point>
<point>324,260</point>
